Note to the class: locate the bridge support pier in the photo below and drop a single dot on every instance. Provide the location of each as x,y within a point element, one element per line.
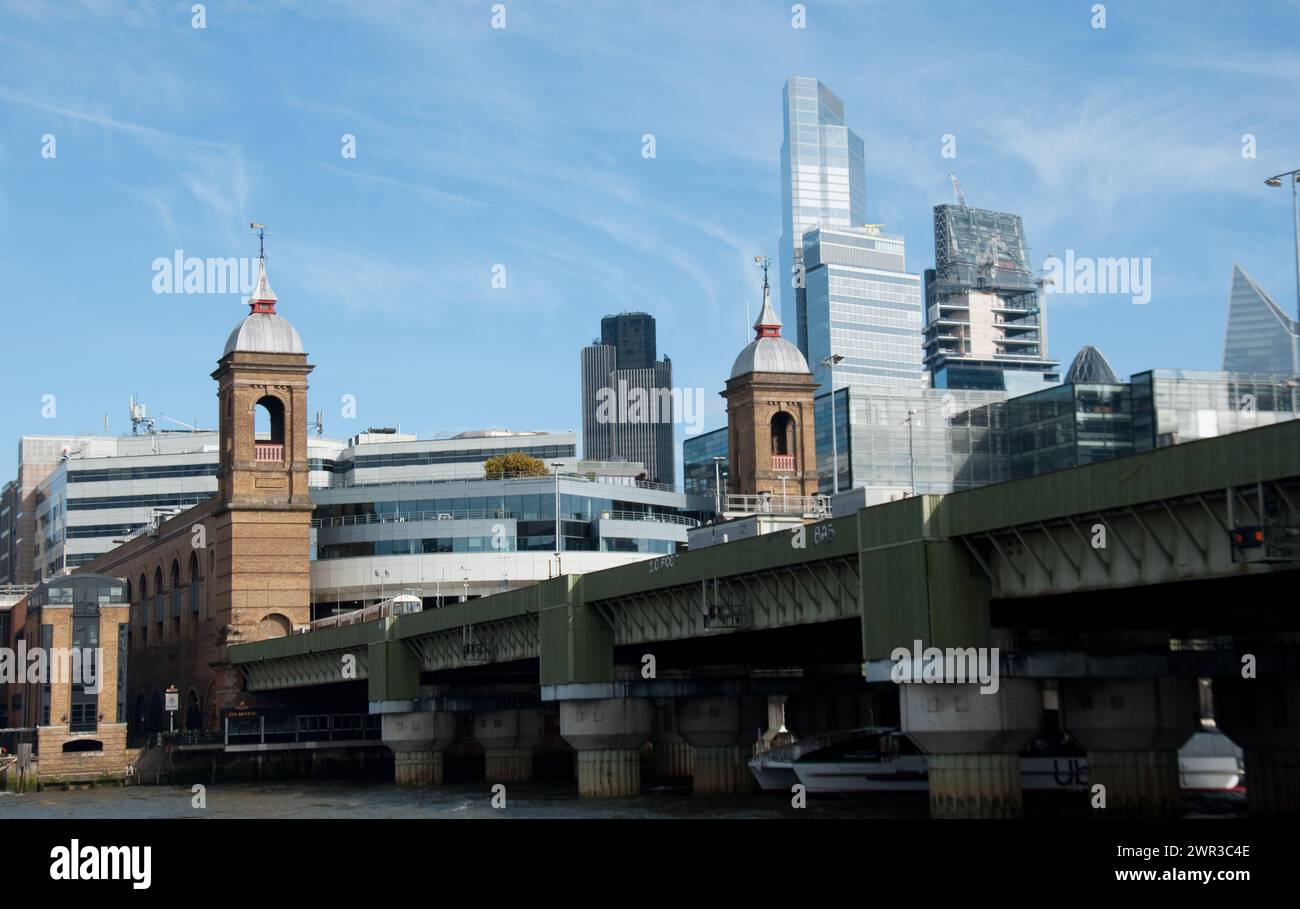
<point>1133,729</point>
<point>419,742</point>
<point>1263,717</point>
<point>672,753</point>
<point>607,735</point>
<point>974,742</point>
<point>508,738</point>
<point>721,732</point>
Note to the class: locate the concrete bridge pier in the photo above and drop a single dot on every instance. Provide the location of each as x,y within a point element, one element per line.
<point>607,735</point>
<point>1263,717</point>
<point>508,738</point>
<point>777,733</point>
<point>419,742</point>
<point>811,714</point>
<point>673,756</point>
<point>721,732</point>
<point>1133,729</point>
<point>974,742</point>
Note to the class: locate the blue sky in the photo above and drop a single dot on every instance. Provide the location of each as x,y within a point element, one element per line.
<point>522,147</point>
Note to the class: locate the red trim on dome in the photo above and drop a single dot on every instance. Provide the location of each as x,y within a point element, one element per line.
<point>267,306</point>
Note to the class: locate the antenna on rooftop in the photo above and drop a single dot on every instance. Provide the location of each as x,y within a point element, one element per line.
<point>139,418</point>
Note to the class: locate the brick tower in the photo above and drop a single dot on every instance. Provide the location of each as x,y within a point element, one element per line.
<point>770,414</point>
<point>263,509</point>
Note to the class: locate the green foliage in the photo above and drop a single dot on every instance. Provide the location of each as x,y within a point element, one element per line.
<point>514,464</point>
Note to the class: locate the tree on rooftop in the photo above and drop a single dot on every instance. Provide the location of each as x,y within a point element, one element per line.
<point>514,464</point>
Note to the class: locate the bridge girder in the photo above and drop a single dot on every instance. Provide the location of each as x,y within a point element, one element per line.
<point>1157,542</point>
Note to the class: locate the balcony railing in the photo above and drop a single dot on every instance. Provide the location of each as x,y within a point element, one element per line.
<point>782,462</point>
<point>776,503</point>
<point>268,451</point>
<point>492,514</point>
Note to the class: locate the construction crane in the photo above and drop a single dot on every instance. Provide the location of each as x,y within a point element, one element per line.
<point>956,188</point>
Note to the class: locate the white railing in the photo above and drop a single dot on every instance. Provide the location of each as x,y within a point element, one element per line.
<point>491,515</point>
<point>268,451</point>
<point>777,504</point>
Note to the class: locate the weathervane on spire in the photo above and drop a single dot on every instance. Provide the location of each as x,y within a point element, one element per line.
<point>261,238</point>
<point>763,262</point>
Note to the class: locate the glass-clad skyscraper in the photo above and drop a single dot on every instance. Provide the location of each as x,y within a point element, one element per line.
<point>986,322</point>
<point>627,397</point>
<point>1260,338</point>
<point>862,305</point>
<point>823,183</point>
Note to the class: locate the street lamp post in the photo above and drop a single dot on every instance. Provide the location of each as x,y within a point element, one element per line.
<point>829,363</point>
<point>785,503</point>
<point>558,546</point>
<point>717,484</point>
<point>1294,178</point>
<point>911,451</point>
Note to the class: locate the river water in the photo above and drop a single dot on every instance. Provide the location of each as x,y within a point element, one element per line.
<point>366,799</point>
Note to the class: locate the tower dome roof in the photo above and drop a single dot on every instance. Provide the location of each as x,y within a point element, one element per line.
<point>769,352</point>
<point>263,330</point>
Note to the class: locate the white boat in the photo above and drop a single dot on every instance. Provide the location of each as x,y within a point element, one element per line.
<point>774,769</point>
<point>884,760</point>
<point>1210,761</point>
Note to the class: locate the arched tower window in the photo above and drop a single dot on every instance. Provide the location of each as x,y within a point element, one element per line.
<point>268,429</point>
<point>783,435</point>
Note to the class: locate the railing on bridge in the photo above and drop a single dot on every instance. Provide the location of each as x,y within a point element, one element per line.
<point>807,506</point>
<point>279,729</point>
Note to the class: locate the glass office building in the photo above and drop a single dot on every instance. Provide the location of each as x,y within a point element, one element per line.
<point>1067,426</point>
<point>823,183</point>
<point>862,305</point>
<point>1171,406</point>
<point>698,468</point>
<point>447,540</point>
<point>986,320</point>
<point>1260,337</point>
<point>893,441</point>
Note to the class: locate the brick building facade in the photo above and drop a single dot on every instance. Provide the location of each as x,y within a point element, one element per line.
<point>234,568</point>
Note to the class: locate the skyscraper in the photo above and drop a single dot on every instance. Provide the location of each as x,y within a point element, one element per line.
<point>1260,338</point>
<point>863,306</point>
<point>986,321</point>
<point>627,397</point>
<point>823,182</point>
<point>1089,367</point>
